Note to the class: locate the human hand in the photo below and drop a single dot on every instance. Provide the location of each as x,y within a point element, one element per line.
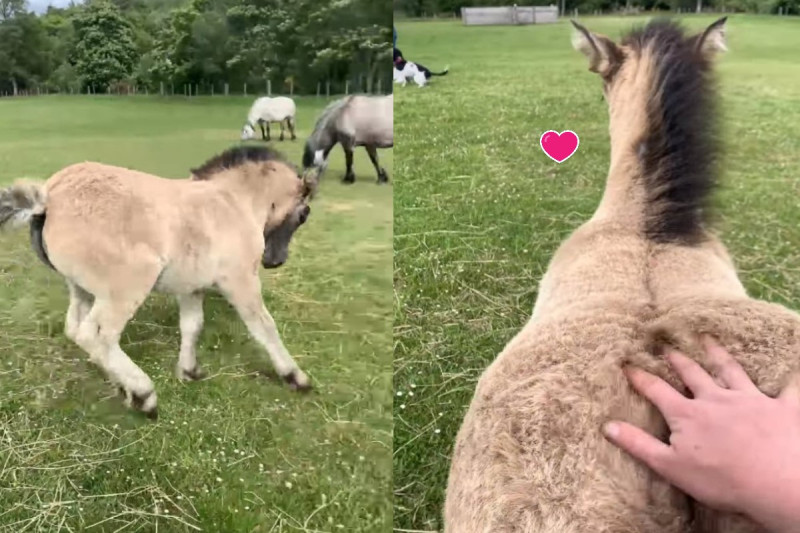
<point>731,447</point>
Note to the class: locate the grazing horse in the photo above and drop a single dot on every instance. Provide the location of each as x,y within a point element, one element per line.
<point>116,234</point>
<point>267,109</point>
<point>352,121</point>
<point>645,272</point>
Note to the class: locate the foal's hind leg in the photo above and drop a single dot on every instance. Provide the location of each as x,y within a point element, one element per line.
<point>281,123</point>
<point>373,156</point>
<point>244,293</point>
<point>290,123</point>
<point>99,335</point>
<point>191,309</point>
<point>80,302</point>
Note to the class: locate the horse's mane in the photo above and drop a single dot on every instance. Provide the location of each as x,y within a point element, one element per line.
<point>330,113</point>
<point>234,157</point>
<point>679,150</point>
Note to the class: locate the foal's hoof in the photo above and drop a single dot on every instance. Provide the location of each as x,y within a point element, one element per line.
<point>144,403</point>
<point>194,374</point>
<point>298,381</point>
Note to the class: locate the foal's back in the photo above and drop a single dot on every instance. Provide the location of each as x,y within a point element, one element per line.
<point>102,217</point>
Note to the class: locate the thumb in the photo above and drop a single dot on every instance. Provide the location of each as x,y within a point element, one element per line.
<point>791,392</point>
<point>640,445</point>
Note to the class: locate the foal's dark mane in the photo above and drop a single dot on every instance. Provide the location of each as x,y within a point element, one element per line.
<point>234,157</point>
<point>679,150</point>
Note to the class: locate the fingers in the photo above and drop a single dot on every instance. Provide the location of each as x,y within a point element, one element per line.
<point>725,368</point>
<point>640,445</point>
<point>669,401</point>
<point>691,373</point>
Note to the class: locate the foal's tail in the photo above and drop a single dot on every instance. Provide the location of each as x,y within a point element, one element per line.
<point>23,202</point>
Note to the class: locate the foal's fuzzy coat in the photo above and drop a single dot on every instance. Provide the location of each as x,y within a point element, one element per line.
<point>116,234</point>
<point>643,272</point>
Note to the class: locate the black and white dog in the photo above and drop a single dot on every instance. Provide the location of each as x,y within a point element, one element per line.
<point>407,70</point>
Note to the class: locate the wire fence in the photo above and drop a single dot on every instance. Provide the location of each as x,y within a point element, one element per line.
<point>325,89</point>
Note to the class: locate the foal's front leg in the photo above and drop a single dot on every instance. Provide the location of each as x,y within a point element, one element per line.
<point>349,175</point>
<point>191,309</point>
<point>244,293</point>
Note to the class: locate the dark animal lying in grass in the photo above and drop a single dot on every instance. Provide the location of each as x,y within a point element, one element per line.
<point>407,70</point>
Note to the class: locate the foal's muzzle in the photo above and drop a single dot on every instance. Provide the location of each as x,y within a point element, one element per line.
<point>271,264</point>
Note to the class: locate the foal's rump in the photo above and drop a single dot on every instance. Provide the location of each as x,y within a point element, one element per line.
<point>530,456</point>
<point>763,337</point>
<point>101,218</point>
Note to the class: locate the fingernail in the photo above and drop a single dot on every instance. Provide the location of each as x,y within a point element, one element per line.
<point>611,429</point>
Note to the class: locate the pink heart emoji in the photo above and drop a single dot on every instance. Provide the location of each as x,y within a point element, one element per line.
<point>559,146</point>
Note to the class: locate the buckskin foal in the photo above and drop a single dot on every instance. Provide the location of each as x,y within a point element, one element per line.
<point>117,234</point>
<point>645,271</point>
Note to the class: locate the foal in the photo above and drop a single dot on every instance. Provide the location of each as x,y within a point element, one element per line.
<point>644,271</point>
<point>116,234</point>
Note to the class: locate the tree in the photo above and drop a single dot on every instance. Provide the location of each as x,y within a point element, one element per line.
<point>104,49</point>
<point>23,52</point>
<point>11,8</point>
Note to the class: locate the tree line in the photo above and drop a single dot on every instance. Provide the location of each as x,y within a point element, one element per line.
<point>113,45</point>
<point>427,8</point>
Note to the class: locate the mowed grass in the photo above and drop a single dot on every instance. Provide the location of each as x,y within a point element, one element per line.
<point>480,209</point>
<point>237,452</point>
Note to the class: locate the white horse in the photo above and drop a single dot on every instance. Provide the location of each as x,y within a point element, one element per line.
<point>353,121</point>
<point>268,109</point>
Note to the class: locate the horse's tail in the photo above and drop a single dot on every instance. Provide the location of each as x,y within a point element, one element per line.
<point>26,202</point>
<point>442,73</point>
<point>21,202</point>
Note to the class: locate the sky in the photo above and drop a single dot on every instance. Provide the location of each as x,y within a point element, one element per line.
<point>40,6</point>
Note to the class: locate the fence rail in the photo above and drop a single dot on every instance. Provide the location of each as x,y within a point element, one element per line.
<point>324,89</point>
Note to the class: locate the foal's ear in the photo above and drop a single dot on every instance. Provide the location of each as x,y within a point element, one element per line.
<point>604,56</point>
<point>712,41</point>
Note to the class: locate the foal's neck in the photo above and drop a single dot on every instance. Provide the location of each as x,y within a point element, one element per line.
<point>624,195</point>
<point>249,190</point>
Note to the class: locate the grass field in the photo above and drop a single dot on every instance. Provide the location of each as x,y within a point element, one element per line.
<point>235,452</point>
<point>479,208</point>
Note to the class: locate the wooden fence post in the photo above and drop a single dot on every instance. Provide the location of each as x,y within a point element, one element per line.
<point>269,87</point>
<point>328,89</point>
<point>226,89</point>
<point>291,87</point>
<point>319,89</point>
<point>347,87</point>
<point>245,89</point>
<point>212,89</point>
<point>380,81</point>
